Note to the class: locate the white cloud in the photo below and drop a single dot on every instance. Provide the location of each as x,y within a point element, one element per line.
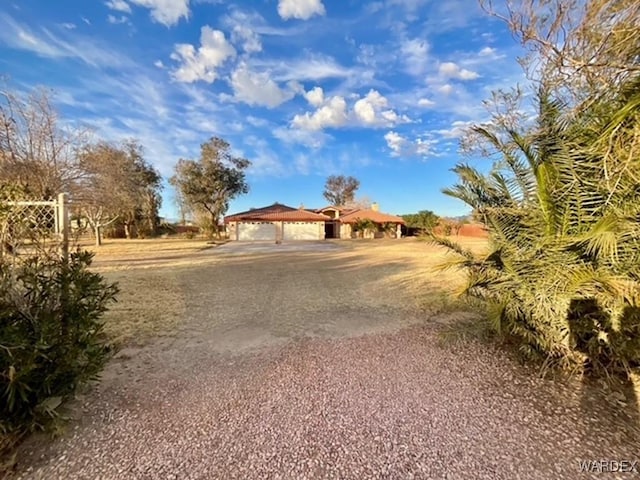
<point>256,122</point>
<point>249,39</point>
<point>117,20</point>
<point>21,37</point>
<point>258,88</point>
<point>158,64</point>
<point>426,103</point>
<point>118,6</point>
<point>415,54</point>
<point>242,31</point>
<point>267,163</point>
<point>312,67</point>
<point>445,89</point>
<point>302,9</point>
<point>410,5</point>
<point>302,164</point>
<point>371,110</point>
<point>453,70</point>
<point>365,108</point>
<point>373,7</point>
<point>332,114</point>
<point>487,52</point>
<point>135,105</point>
<point>315,96</point>
<point>166,12</point>
<point>312,139</point>
<point>401,146</point>
<point>395,142</point>
<point>45,44</point>
<point>69,26</point>
<point>457,130</point>
<point>264,161</point>
<point>202,63</point>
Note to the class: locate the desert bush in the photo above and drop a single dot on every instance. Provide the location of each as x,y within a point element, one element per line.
<point>364,225</point>
<point>51,338</point>
<point>166,228</point>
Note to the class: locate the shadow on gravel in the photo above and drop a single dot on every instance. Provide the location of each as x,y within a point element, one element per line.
<point>608,407</point>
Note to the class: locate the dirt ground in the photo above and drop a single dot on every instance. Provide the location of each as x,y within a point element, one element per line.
<point>147,270</point>
<point>316,362</point>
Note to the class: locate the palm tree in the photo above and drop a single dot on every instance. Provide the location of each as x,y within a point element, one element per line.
<point>563,210</point>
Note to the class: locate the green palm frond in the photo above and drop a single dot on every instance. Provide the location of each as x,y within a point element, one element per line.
<point>562,209</point>
<point>601,241</point>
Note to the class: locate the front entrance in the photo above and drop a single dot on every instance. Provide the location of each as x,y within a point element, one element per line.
<point>332,230</point>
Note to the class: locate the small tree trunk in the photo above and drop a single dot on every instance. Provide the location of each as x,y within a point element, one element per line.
<point>214,225</point>
<point>98,235</point>
<point>127,230</point>
<point>153,215</point>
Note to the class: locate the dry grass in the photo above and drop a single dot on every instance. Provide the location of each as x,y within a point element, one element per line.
<point>123,250</point>
<point>119,255</point>
<point>150,303</point>
<point>434,290</point>
<point>153,276</point>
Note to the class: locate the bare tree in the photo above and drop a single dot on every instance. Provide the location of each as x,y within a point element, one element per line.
<point>579,49</point>
<point>36,151</point>
<point>97,193</point>
<point>360,203</point>
<point>184,211</point>
<point>340,190</point>
<point>118,184</point>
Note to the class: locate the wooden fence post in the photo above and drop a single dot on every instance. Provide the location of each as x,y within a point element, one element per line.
<point>63,226</point>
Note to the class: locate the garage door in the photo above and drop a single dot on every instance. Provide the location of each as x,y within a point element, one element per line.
<point>302,231</point>
<point>256,231</point>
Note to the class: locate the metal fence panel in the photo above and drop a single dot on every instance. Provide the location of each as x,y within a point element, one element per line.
<point>30,226</point>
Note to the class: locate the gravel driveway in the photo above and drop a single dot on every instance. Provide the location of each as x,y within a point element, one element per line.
<point>302,365</point>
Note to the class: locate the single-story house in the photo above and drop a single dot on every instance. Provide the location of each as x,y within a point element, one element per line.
<point>344,222</point>
<point>276,222</point>
<point>279,222</point>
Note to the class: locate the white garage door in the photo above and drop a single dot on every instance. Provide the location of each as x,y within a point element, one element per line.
<point>256,231</point>
<point>302,231</point>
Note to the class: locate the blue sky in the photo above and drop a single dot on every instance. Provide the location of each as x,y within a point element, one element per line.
<point>302,88</point>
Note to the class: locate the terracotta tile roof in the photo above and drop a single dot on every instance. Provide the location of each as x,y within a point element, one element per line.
<point>276,213</point>
<point>373,215</point>
<point>295,216</point>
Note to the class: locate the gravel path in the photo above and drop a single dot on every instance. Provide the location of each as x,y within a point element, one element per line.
<point>271,377</point>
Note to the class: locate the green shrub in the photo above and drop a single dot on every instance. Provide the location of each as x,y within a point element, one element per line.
<point>363,225</point>
<point>51,338</point>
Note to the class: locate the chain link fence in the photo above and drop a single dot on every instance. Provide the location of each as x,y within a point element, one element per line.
<point>28,227</point>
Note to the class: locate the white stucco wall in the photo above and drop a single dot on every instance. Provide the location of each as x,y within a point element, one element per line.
<point>303,230</point>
